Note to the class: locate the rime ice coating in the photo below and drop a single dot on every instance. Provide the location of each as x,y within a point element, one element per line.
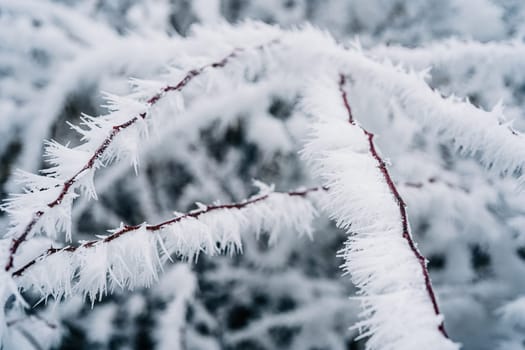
<point>132,256</point>
<point>400,310</point>
<point>385,268</point>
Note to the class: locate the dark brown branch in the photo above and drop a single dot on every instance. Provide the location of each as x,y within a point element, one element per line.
<point>344,95</point>
<point>67,185</point>
<point>154,228</point>
<point>401,204</point>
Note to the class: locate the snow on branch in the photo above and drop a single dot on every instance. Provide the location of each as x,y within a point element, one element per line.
<point>46,204</point>
<point>504,57</point>
<point>474,131</point>
<point>131,256</point>
<point>487,135</point>
<point>400,308</point>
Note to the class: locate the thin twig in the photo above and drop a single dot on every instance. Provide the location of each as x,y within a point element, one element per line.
<point>401,204</point>
<point>155,228</point>
<point>101,149</point>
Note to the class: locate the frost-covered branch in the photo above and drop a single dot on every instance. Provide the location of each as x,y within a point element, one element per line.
<point>132,255</point>
<point>26,210</point>
<point>473,131</point>
<point>232,101</point>
<point>504,57</point>
<point>401,310</point>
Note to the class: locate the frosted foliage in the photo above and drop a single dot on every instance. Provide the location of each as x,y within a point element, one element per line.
<point>386,142</point>
<point>131,257</point>
<point>376,254</point>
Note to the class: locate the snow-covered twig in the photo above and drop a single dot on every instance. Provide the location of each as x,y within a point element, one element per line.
<point>131,255</point>
<point>15,206</point>
<point>505,57</point>
<point>400,203</point>
<point>401,310</point>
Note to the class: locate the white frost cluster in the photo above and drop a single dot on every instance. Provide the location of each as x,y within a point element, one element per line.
<point>134,258</point>
<point>398,313</point>
<point>121,133</point>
